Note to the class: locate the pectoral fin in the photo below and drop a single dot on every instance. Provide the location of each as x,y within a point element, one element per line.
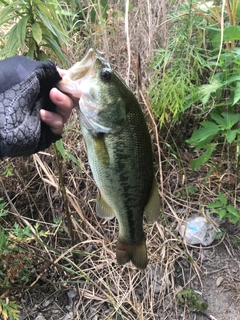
<point>103,209</point>
<point>152,209</point>
<point>101,149</point>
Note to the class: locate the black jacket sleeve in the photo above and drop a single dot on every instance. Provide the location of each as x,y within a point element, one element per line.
<point>24,90</point>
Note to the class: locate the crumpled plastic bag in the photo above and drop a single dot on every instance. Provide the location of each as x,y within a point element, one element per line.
<point>198,230</point>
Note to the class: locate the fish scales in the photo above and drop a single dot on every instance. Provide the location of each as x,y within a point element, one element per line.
<point>120,182</point>
<point>119,151</point>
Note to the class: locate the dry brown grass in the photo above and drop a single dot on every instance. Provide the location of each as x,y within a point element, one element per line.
<point>106,290</point>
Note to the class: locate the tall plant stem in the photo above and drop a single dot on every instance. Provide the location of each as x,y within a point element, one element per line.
<point>65,199</point>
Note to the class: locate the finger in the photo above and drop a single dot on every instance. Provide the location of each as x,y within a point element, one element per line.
<point>64,104</point>
<point>53,120</point>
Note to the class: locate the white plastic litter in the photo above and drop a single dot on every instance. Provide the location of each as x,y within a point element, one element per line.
<point>198,230</point>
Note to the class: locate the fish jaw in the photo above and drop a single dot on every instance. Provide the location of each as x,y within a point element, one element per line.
<point>72,81</point>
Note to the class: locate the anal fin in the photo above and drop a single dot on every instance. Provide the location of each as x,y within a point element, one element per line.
<point>152,209</point>
<point>103,209</point>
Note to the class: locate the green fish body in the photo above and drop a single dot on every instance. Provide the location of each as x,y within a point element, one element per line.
<point>119,151</point>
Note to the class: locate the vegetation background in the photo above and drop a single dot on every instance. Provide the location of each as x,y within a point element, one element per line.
<point>57,259</point>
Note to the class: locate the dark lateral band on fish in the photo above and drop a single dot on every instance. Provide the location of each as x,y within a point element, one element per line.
<point>119,151</point>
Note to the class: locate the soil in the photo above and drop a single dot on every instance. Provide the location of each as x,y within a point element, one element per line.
<point>217,282</point>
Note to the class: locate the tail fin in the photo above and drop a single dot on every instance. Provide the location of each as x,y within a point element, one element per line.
<point>136,252</point>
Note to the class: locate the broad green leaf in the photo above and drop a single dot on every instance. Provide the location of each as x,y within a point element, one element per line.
<point>196,163</point>
<point>209,130</point>
<point>22,31</point>
<point>233,211</point>
<point>214,205</point>
<point>7,13</point>
<point>231,117</point>
<point>222,198</point>
<point>236,93</point>
<point>238,144</point>
<point>73,159</point>
<point>49,11</point>
<point>60,147</point>
<point>31,48</point>
<point>206,90</point>
<point>222,213</point>
<point>232,33</point>
<point>12,43</point>
<point>37,32</point>
<point>230,135</point>
<point>52,45</point>
<point>233,78</point>
<point>234,219</point>
<point>52,27</point>
<point>219,119</point>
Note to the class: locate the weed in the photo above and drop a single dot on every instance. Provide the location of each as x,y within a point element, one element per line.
<point>35,26</point>
<point>235,241</point>
<point>221,95</point>
<point>224,210</point>
<point>222,126</point>
<point>177,68</point>
<point>189,297</point>
<point>16,260</point>
<point>9,309</point>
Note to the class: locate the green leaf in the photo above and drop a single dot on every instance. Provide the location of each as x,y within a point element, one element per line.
<point>49,24</point>
<point>12,43</point>
<point>232,33</point>
<point>222,198</point>
<point>233,211</point>
<point>60,147</point>
<point>209,130</point>
<point>231,118</point>
<point>73,159</point>
<point>31,48</point>
<point>214,205</point>
<point>230,135</point>
<point>236,96</point>
<point>206,90</point>
<point>196,163</point>
<point>22,31</point>
<point>233,78</point>
<point>52,44</point>
<point>219,119</point>
<point>37,32</point>
<point>7,13</point>
<point>222,213</point>
<point>238,144</point>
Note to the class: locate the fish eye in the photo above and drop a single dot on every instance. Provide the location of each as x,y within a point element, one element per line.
<point>105,74</point>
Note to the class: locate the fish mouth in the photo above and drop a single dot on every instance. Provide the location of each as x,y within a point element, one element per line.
<point>79,69</point>
<point>71,81</point>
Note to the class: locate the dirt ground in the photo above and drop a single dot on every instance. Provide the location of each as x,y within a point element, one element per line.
<point>217,282</point>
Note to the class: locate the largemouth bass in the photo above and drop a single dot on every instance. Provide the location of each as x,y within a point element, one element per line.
<point>119,151</point>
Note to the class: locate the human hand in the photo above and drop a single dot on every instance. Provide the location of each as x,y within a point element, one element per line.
<point>64,105</point>
<point>26,86</point>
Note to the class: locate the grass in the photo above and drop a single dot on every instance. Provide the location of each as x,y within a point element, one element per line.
<point>106,290</point>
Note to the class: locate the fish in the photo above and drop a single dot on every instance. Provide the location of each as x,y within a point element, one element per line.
<point>119,150</point>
